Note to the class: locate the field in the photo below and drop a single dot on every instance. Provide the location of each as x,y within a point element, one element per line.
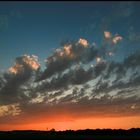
<point>104,134</point>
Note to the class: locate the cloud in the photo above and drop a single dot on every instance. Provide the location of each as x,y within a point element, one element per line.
<point>81,76</point>
<point>17,76</point>
<point>76,76</point>
<point>12,109</point>
<point>83,42</point>
<point>104,70</point>
<point>78,79</point>
<point>113,38</point>
<point>99,68</point>
<point>126,75</point>
<point>132,60</point>
<point>107,34</point>
<point>85,108</point>
<point>23,63</point>
<point>73,53</point>
<point>65,57</point>
<point>116,39</point>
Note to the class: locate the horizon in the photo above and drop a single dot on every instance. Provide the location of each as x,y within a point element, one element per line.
<point>70,134</point>
<point>69,65</point>
<point>97,129</point>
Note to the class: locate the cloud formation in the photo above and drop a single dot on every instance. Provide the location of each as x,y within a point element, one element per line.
<point>77,78</point>
<point>17,76</point>
<point>65,57</point>
<point>12,109</point>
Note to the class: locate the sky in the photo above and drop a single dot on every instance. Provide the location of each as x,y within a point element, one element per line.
<point>69,65</point>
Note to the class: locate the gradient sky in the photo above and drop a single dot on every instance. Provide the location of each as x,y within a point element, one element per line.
<point>69,65</point>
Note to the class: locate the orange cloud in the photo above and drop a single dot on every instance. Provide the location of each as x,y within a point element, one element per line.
<point>16,68</point>
<point>83,42</point>
<point>31,61</point>
<point>11,109</point>
<point>107,34</point>
<point>67,49</point>
<point>116,39</point>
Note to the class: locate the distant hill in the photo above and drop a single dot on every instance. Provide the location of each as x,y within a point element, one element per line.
<point>88,134</point>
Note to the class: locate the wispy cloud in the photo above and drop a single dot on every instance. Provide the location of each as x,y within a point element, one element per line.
<point>78,79</point>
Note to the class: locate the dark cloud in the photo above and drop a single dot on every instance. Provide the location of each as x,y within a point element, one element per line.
<point>100,87</point>
<point>76,76</point>
<point>85,107</point>
<point>99,68</point>
<point>81,76</point>
<point>17,76</point>
<point>69,69</point>
<point>120,71</point>
<point>72,53</point>
<point>132,60</point>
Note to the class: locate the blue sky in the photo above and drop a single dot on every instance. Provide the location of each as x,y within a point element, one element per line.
<point>38,27</point>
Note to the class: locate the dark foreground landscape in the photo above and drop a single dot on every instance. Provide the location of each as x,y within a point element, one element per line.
<point>88,134</point>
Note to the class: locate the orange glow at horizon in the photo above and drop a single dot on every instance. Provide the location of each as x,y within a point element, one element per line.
<point>88,123</point>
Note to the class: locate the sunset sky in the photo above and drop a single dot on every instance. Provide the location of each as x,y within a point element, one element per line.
<point>69,65</point>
